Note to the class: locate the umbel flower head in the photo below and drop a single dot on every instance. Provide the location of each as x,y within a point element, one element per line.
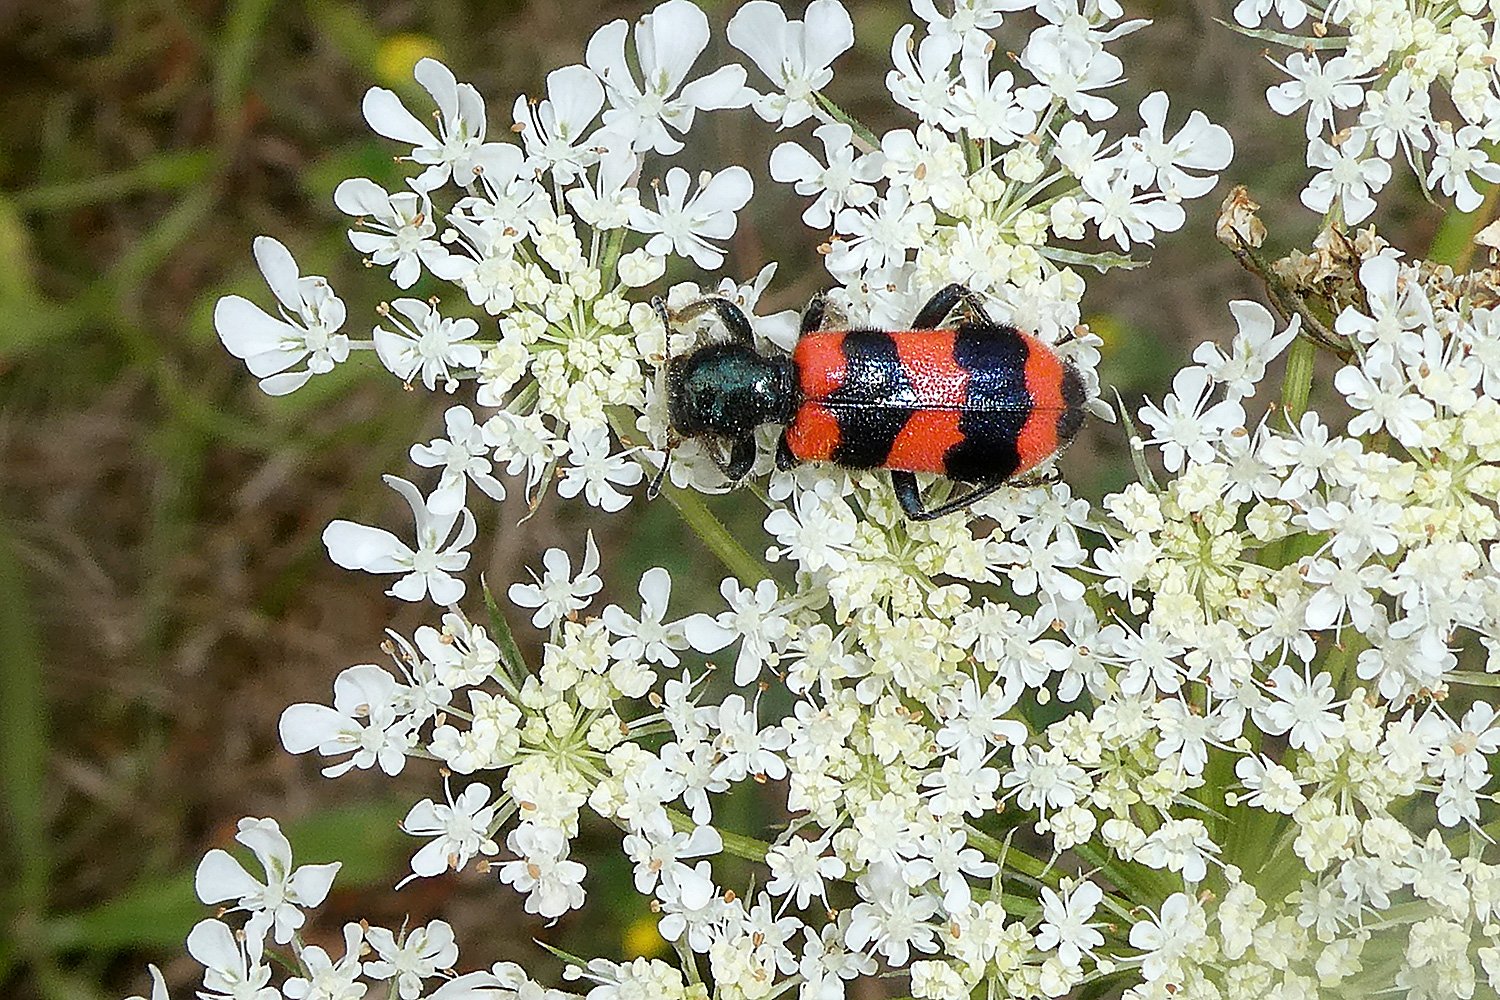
<point>1210,736</point>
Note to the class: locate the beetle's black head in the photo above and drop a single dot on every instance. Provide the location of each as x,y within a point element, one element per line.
<point>729,389</point>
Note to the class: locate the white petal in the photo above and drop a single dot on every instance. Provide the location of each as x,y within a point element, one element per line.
<point>790,162</point>
<point>305,726</point>
<point>606,56</point>
<point>246,330</point>
<point>723,88</point>
<point>276,263</point>
<point>576,95</point>
<point>388,117</point>
<point>669,40</point>
<point>212,943</point>
<point>220,877</point>
<point>361,196</point>
<point>359,546</point>
<point>311,883</point>
<point>656,591</point>
<point>445,589</point>
<point>284,383</point>
<point>440,82</point>
<point>705,634</point>
<point>729,189</point>
<point>758,29</point>
<point>827,33</point>
<point>411,587</point>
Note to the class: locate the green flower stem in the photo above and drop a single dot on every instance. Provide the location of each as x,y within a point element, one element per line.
<point>863,137</point>
<point>709,529</point>
<point>1297,384</point>
<point>1035,869</point>
<point>712,533</point>
<point>735,844</point>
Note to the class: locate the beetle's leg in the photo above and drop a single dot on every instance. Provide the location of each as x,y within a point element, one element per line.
<point>909,496</point>
<point>939,306</point>
<point>944,302</point>
<point>741,458</point>
<point>730,314</point>
<point>785,460</point>
<point>812,316</point>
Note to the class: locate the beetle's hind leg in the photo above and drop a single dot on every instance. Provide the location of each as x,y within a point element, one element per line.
<point>731,315</point>
<point>909,496</point>
<point>944,302</point>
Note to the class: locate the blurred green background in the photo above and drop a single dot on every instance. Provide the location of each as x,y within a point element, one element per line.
<point>163,593</point>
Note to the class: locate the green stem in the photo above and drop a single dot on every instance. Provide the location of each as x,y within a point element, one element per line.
<point>1297,384</point>
<point>712,533</point>
<point>735,844</point>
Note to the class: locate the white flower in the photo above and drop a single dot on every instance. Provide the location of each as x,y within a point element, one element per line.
<point>874,239</point>
<point>275,905</point>
<point>432,345</point>
<point>311,316</point>
<point>428,568</point>
<point>1065,922</point>
<point>558,594</point>
<point>1400,112</point>
<point>232,964</point>
<point>1181,429</point>
<point>684,225</point>
<point>1198,145</point>
<point>647,638</point>
<point>1346,175</point>
<point>667,43</point>
<point>891,921</point>
<point>1301,707</point>
<point>1256,344</point>
<point>327,979</point>
<point>455,150</point>
<point>460,830</point>
<point>1071,66</point>
<point>923,85</point>
<point>401,231</point>
<point>552,130</point>
<point>846,180</point>
<point>365,721</point>
<point>463,456</point>
<point>421,954</point>
<point>595,473</point>
<point>552,883</point>
<point>988,108</point>
<point>1322,87</point>
<point>1168,939</point>
<point>795,55</point>
<point>800,867</point>
<point>969,23</point>
<point>1456,157</point>
<point>1122,215</point>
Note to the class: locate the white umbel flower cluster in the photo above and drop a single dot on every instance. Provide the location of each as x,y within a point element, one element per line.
<point>1380,80</point>
<point>1210,738</point>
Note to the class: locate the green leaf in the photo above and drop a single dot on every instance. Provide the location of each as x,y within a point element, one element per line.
<point>510,653</point>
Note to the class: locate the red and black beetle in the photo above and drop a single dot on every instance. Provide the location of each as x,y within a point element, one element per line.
<point>978,402</point>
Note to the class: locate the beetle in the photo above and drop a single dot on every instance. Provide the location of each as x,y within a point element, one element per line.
<point>978,402</point>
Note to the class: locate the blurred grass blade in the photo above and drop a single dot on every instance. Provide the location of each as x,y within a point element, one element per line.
<point>166,171</point>
<point>23,741</point>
